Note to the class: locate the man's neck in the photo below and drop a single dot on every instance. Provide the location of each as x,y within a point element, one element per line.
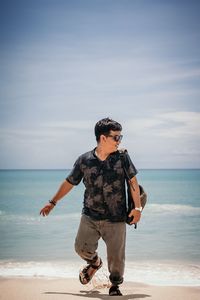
<point>101,153</point>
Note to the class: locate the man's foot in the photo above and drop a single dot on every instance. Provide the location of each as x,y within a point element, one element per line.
<point>88,272</point>
<point>115,291</point>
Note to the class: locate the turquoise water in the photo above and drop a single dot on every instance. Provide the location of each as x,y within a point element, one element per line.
<point>167,236</point>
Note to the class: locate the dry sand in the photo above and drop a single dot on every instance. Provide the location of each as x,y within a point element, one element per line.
<point>71,289</point>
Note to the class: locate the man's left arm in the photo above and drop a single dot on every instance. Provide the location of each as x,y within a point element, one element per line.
<point>135,192</point>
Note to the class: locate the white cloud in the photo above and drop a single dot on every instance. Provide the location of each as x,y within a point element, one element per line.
<point>178,124</point>
<point>186,125</point>
<point>167,136</point>
<point>164,140</point>
<point>68,125</point>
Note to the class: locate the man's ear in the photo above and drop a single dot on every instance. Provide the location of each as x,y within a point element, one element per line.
<point>102,138</point>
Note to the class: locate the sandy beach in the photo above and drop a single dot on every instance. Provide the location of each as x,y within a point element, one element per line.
<point>50,289</point>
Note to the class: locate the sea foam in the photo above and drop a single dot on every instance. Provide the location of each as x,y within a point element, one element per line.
<point>154,273</point>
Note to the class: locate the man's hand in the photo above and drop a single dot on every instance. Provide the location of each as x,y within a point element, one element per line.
<point>62,191</point>
<point>46,209</point>
<point>136,214</point>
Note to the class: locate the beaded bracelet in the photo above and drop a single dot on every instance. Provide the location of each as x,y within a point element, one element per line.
<point>52,202</point>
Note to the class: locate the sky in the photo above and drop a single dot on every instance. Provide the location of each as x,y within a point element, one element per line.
<point>64,65</point>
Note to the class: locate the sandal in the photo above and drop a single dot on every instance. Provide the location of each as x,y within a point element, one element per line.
<point>114,291</point>
<point>84,277</point>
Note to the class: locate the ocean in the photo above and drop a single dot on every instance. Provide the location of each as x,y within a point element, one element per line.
<point>163,250</point>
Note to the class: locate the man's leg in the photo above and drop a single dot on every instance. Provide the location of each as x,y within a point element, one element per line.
<point>86,241</point>
<point>114,235</point>
<point>86,244</point>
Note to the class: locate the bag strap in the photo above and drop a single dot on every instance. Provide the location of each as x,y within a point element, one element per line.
<point>128,179</point>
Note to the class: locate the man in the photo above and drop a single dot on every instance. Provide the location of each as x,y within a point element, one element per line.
<point>104,209</point>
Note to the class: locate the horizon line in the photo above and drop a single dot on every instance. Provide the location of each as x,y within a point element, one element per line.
<point>63,169</point>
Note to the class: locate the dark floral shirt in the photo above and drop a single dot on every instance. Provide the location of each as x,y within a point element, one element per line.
<point>104,181</point>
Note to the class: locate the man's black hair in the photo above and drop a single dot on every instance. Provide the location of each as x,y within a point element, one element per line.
<point>104,126</point>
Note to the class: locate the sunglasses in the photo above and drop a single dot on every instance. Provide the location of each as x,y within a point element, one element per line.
<point>116,138</point>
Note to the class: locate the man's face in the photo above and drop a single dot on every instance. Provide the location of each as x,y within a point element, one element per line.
<point>112,141</point>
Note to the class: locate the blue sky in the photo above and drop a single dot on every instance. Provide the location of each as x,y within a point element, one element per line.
<point>67,64</point>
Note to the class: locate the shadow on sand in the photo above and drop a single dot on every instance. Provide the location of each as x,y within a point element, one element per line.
<point>97,294</point>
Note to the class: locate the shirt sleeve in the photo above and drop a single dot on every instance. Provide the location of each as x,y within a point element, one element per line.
<point>76,174</point>
<point>130,168</point>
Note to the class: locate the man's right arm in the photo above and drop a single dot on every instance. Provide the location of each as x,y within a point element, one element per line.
<point>62,191</point>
